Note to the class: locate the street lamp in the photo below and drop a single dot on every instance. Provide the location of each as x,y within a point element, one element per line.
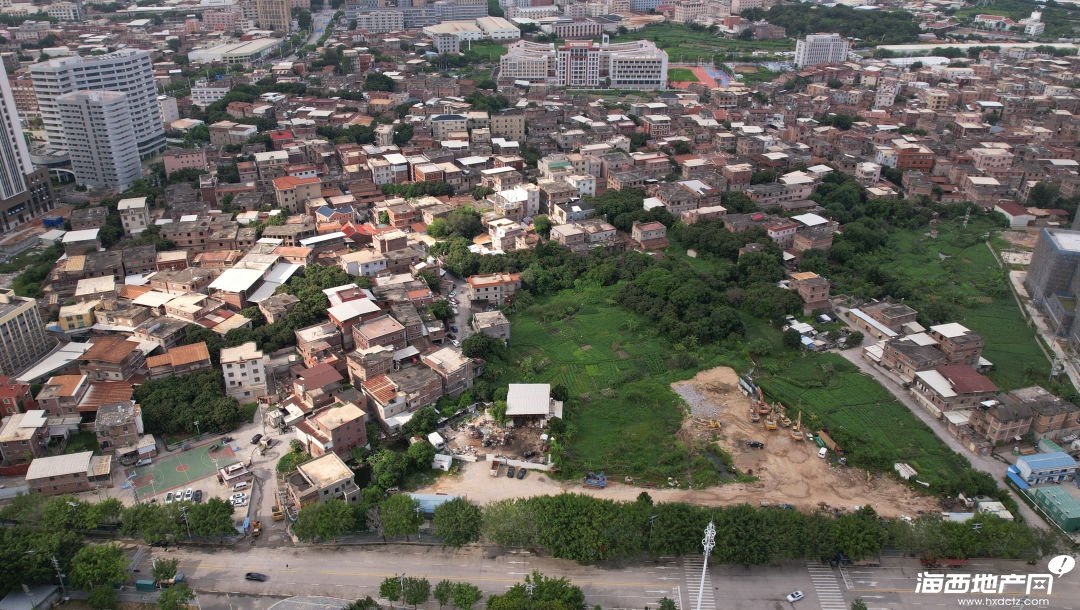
<point>197,431</point>
<point>709,542</point>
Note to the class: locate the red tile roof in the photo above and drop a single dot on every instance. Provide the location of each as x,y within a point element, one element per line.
<point>291,182</point>
<point>966,380</point>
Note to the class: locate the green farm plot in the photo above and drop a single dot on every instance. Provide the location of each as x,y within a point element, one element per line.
<point>685,44</point>
<point>487,51</point>
<point>624,416</point>
<point>861,416</point>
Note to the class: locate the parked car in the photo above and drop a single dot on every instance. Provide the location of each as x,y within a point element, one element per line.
<point>256,576</point>
<point>521,473</point>
<point>226,439</point>
<point>198,496</point>
<point>168,498</point>
<point>456,342</point>
<point>509,472</point>
<point>453,328</point>
<point>255,439</point>
<point>144,462</point>
<point>188,493</point>
<point>755,444</point>
<point>795,596</point>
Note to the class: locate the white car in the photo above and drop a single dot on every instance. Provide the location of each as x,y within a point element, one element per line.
<point>795,596</point>
<point>188,493</point>
<point>456,342</point>
<point>239,496</point>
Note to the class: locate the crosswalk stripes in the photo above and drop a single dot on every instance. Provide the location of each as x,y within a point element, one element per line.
<point>692,575</point>
<point>828,591</point>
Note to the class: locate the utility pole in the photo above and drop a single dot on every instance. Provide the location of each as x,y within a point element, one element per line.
<point>60,577</point>
<point>709,542</point>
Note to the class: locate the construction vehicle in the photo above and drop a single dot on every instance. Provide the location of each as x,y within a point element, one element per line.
<point>796,432</point>
<point>256,529</point>
<point>713,424</point>
<point>770,420</point>
<point>278,514</point>
<point>754,417</point>
<point>829,442</point>
<point>785,421</point>
<point>595,479</point>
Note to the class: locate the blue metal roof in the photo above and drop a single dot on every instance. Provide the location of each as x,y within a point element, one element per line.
<point>1018,480</point>
<point>429,502</point>
<point>1047,461</point>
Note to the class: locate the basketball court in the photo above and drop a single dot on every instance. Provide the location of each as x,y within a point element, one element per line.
<point>179,469</point>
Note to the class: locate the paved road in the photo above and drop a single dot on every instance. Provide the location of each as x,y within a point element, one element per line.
<point>352,572</point>
<point>986,464</point>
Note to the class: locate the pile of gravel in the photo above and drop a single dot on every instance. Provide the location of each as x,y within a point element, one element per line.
<point>700,406</point>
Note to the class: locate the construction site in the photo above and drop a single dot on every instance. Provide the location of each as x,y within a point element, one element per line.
<point>793,465</point>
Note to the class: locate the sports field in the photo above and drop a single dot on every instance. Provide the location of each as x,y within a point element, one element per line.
<point>179,469</point>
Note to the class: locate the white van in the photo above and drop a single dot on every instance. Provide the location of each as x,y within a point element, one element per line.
<point>240,485</point>
<point>824,451</point>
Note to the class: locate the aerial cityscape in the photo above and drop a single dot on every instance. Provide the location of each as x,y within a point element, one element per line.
<point>539,304</point>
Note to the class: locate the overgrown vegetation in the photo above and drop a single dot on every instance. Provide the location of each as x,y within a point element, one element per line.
<point>171,405</point>
<point>872,27</point>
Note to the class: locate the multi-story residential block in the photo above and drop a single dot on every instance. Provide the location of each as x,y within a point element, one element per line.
<point>127,71</point>
<point>952,386</point>
<point>383,330</point>
<point>134,214</point>
<point>244,369</point>
<point>15,397</point>
<point>817,49</point>
<point>23,437</point>
<point>455,369</point>
<point>586,64</point>
<point>395,396</point>
<point>492,323</point>
<point>180,360</point>
<point>292,193</point>
<point>274,15</point>
<point>100,136</point>
<point>25,192</point>
<point>495,288</point>
<point>321,479</point>
<point>339,429</point>
<point>118,426</point>
<point>69,474</point>
<point>112,358</point>
<point>22,332</point>
<point>958,343</point>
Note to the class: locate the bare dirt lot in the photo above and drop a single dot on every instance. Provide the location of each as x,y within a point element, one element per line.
<point>788,472</point>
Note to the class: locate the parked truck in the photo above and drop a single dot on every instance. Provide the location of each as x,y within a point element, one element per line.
<point>145,585</point>
<point>829,442</point>
<point>256,528</point>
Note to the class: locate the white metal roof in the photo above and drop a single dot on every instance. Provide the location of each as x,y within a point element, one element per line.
<point>528,399</point>
<point>237,280</point>
<point>937,382</point>
<point>950,330</point>
<point>83,235</point>
<point>59,465</point>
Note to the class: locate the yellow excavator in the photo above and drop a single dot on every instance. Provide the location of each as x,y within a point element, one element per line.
<point>770,420</point>
<point>785,421</point>
<point>796,432</point>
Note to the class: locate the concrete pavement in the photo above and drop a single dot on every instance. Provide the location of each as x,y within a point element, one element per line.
<point>353,572</point>
<point>986,464</point>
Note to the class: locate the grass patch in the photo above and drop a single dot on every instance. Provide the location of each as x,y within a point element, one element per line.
<point>957,267</point>
<point>625,417</point>
<point>859,413</point>
<point>248,411</point>
<point>685,44</point>
<point>487,51</point>
<point>681,75</point>
<point>82,441</point>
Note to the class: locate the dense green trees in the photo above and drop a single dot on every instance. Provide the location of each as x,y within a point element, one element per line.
<point>458,521</point>
<point>325,521</point>
<point>417,189</point>
<point>623,207</point>
<point>378,82</point>
<point>399,515</point>
<point>175,597</point>
<point>540,591</point>
<point>876,27</point>
<point>483,346</point>
<point>98,565</point>
<point>171,405</point>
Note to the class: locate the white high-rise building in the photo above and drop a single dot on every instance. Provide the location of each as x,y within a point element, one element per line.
<point>127,71</point>
<point>24,192</point>
<point>14,156</point>
<point>100,138</point>
<point>821,49</point>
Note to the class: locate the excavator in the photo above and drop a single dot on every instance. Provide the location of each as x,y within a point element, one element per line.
<point>785,421</point>
<point>796,432</point>
<point>770,420</point>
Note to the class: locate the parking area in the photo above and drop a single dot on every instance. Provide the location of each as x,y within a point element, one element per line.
<point>181,469</point>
